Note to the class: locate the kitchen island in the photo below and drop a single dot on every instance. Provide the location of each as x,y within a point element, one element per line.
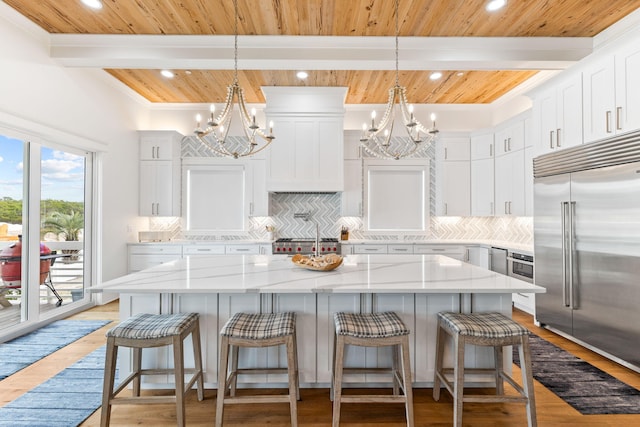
<point>416,287</point>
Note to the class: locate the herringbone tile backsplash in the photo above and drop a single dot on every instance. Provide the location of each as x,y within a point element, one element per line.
<point>324,210</point>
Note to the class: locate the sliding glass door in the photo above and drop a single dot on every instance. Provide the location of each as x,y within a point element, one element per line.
<point>45,215</point>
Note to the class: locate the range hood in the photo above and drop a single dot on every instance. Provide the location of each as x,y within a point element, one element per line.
<point>308,154</point>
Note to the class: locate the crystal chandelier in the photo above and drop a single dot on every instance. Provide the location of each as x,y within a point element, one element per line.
<point>214,136</point>
<point>377,139</point>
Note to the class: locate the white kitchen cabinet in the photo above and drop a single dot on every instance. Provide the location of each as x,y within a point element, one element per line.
<point>482,174</point>
<point>611,102</point>
<point>400,249</point>
<point>509,184</point>
<point>453,251</point>
<point>145,255</point>
<point>159,185</point>
<point>370,249</point>
<point>242,249</point>
<point>453,195</point>
<point>159,145</point>
<point>203,249</point>
<point>387,184</point>
<point>259,202</point>
<point>352,147</point>
<point>627,64</point>
<point>456,189</point>
<point>216,196</point>
<point>559,109</point>
<point>478,255</point>
<point>510,137</point>
<point>351,197</point>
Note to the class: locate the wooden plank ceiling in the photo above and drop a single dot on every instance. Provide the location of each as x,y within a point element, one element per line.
<point>425,18</point>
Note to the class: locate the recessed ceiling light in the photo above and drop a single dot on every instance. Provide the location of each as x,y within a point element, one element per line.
<point>435,75</point>
<point>93,4</point>
<point>494,5</point>
<point>167,73</point>
<point>302,75</point>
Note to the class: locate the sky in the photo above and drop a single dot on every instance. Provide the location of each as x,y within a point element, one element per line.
<point>62,173</point>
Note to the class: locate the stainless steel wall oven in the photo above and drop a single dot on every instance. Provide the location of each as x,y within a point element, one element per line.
<point>520,266</point>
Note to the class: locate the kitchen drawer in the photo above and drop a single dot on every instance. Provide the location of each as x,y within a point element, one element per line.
<point>370,249</point>
<point>153,249</point>
<point>454,251</point>
<point>400,249</point>
<point>197,250</point>
<point>243,249</point>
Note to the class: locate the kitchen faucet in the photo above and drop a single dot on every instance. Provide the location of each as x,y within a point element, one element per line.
<point>305,217</point>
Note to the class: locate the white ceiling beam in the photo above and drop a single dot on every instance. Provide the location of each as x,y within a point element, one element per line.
<point>318,52</point>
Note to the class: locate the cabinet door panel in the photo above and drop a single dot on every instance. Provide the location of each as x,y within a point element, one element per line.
<point>482,191</point>
<point>627,114</point>
<point>456,189</point>
<point>391,209</point>
<point>215,198</point>
<point>599,100</point>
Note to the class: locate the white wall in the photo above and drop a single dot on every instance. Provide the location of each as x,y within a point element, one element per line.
<point>77,108</point>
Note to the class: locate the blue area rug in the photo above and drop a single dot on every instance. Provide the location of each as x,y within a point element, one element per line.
<point>21,352</point>
<point>583,386</point>
<point>67,399</point>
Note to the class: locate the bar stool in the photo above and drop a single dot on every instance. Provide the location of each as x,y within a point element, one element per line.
<point>483,329</point>
<point>147,331</point>
<point>372,330</point>
<point>257,330</point>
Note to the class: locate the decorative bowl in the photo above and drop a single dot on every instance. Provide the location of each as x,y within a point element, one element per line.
<point>318,263</point>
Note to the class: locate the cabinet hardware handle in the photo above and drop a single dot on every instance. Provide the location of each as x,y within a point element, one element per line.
<point>608,120</point>
<point>505,208</point>
<point>509,143</point>
<point>466,255</point>
<point>445,153</point>
<point>558,137</point>
<point>446,209</point>
<point>158,152</point>
<point>250,208</point>
<point>509,208</point>
<point>490,150</point>
<point>505,145</point>
<point>551,139</point>
<point>618,118</point>
<point>437,250</point>
<point>242,249</point>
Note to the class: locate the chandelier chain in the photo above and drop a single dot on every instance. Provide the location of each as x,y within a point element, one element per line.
<point>235,42</point>
<point>397,72</point>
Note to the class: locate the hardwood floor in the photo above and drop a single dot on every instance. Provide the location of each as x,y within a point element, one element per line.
<point>315,407</point>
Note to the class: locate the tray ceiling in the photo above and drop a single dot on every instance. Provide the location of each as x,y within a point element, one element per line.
<point>339,43</point>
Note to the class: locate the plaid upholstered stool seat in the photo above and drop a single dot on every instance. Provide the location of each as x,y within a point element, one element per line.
<point>372,330</point>
<point>257,330</point>
<point>148,331</point>
<point>483,329</point>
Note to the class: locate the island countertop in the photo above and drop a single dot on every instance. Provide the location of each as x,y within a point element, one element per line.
<point>277,274</point>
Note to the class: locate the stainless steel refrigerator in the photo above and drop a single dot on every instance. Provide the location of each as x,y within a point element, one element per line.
<point>587,245</point>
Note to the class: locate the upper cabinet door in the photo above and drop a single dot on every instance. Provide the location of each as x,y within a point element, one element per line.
<point>160,145</point>
<point>599,100</point>
<point>627,114</point>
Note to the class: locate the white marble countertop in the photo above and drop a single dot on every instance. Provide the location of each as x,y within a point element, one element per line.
<point>277,274</point>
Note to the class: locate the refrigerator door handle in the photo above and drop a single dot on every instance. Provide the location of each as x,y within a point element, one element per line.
<point>563,216</point>
<point>572,217</point>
